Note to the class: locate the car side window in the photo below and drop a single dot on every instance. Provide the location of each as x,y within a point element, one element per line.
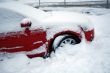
<point>9,20</point>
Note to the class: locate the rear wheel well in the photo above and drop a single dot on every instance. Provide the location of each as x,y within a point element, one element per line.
<point>77,38</point>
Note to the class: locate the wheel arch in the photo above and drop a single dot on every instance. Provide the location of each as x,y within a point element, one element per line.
<point>71,33</point>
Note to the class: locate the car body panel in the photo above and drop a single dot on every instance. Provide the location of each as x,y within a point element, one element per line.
<point>89,35</point>
<point>22,41</point>
<point>36,39</point>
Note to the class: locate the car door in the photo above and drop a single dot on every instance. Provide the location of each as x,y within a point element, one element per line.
<point>13,38</point>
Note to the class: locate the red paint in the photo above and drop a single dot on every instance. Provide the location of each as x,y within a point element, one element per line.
<point>28,40</point>
<point>89,35</point>
<point>24,40</point>
<point>36,55</point>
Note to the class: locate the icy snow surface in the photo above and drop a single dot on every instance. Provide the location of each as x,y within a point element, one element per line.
<point>81,58</point>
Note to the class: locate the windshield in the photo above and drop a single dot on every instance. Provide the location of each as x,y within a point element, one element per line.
<point>9,20</point>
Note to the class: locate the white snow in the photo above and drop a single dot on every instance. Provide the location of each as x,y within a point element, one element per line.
<point>64,21</point>
<point>59,28</point>
<point>38,50</point>
<point>24,10</point>
<point>81,58</point>
<point>84,10</point>
<point>12,13</point>
<point>56,41</point>
<point>61,17</point>
<point>33,1</point>
<point>26,20</point>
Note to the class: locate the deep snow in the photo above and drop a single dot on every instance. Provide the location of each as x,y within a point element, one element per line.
<point>81,58</point>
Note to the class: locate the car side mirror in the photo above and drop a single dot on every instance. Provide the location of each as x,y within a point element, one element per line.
<point>26,23</point>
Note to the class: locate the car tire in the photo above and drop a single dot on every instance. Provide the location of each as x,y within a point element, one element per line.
<point>62,40</point>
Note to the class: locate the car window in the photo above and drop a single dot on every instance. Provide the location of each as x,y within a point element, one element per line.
<point>9,20</point>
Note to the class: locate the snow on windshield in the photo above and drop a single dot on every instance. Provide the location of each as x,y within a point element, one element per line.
<point>9,20</point>
<point>23,9</point>
<point>12,13</point>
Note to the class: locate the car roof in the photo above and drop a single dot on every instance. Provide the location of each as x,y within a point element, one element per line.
<point>25,10</point>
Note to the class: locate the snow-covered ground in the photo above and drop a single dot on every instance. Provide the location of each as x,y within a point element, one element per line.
<point>81,58</point>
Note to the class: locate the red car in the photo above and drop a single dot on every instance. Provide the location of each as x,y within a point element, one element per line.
<point>37,33</point>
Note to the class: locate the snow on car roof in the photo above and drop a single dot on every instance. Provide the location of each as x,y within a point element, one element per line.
<point>24,10</point>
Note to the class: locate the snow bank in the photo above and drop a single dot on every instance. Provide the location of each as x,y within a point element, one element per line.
<point>13,62</point>
<point>81,58</point>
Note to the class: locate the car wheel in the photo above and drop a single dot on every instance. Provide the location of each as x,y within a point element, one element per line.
<point>62,40</point>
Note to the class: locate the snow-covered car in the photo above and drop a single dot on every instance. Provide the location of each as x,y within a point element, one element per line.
<point>37,33</point>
